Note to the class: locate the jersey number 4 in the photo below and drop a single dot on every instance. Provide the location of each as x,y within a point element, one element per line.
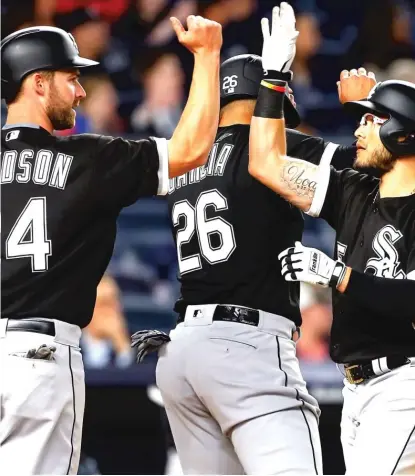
<point>196,221</point>
<point>28,237</point>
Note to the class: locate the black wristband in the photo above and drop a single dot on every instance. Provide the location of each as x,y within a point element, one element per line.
<point>270,101</point>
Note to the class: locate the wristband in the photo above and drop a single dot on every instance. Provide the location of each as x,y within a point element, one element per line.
<point>273,74</point>
<point>270,101</point>
<point>338,274</point>
<point>274,87</point>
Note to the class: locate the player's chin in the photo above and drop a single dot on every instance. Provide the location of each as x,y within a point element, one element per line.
<point>362,159</point>
<point>64,126</point>
<point>66,122</point>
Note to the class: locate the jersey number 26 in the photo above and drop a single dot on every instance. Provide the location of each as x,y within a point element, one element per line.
<point>196,221</point>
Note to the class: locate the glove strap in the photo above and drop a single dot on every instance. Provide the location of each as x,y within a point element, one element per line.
<point>270,102</point>
<point>338,274</point>
<point>279,75</point>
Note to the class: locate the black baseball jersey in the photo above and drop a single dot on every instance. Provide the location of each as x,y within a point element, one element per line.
<point>374,236</point>
<point>60,198</point>
<point>229,228</point>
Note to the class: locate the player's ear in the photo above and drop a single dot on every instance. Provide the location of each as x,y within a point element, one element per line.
<point>39,83</point>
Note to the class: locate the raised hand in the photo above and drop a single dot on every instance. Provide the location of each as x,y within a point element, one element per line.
<point>202,35</point>
<point>278,50</point>
<point>355,85</point>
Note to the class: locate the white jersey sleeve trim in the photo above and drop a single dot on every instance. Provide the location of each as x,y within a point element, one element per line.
<point>163,173</point>
<point>328,153</point>
<point>323,179</point>
<point>411,275</point>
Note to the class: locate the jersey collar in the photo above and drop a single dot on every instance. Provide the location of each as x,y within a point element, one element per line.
<point>16,126</point>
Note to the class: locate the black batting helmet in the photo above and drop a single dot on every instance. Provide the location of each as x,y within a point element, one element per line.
<point>35,49</point>
<point>240,78</point>
<point>396,101</point>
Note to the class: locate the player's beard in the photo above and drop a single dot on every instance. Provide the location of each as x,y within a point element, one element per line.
<point>380,159</point>
<point>60,114</point>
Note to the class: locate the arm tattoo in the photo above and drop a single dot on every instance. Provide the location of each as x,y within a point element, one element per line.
<point>294,175</point>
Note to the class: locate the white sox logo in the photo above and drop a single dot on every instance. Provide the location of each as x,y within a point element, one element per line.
<point>387,262</point>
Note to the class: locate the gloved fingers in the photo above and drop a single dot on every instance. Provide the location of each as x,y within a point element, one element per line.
<point>144,335</point>
<point>287,14</point>
<point>286,252</point>
<point>265,28</point>
<point>276,19</point>
<point>291,271</point>
<point>43,352</point>
<point>291,260</point>
<point>291,277</point>
<point>147,341</point>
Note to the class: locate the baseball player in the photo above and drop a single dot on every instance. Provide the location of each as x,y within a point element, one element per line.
<point>60,200</point>
<point>373,275</point>
<point>229,378</point>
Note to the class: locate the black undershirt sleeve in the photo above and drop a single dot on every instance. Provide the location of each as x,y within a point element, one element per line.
<point>384,296</point>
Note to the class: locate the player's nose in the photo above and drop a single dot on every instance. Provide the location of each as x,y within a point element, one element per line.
<point>80,92</point>
<point>359,132</point>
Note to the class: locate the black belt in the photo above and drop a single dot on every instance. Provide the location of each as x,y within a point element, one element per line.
<point>25,325</point>
<point>358,373</point>
<point>242,315</point>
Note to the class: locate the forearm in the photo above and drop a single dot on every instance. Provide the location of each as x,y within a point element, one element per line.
<point>387,297</point>
<point>44,12</point>
<point>196,131</point>
<point>294,179</point>
<point>267,145</point>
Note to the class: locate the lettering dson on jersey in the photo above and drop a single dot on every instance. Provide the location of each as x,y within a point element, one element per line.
<point>41,169</point>
<point>215,165</point>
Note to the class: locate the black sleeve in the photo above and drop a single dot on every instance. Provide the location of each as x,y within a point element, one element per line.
<point>335,191</point>
<point>344,157</point>
<point>410,269</point>
<point>128,169</point>
<point>384,296</point>
<point>316,150</point>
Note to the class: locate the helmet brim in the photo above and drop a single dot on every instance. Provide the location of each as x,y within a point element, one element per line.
<point>79,62</point>
<point>358,108</point>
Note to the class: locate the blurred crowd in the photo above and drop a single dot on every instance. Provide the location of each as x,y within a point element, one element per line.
<point>139,89</point>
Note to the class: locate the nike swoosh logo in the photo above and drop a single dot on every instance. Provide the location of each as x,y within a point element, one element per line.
<point>222,137</point>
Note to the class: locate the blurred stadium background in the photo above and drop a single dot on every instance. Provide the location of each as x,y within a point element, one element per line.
<point>139,89</point>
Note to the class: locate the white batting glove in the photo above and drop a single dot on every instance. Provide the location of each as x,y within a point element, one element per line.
<point>311,266</point>
<point>278,51</point>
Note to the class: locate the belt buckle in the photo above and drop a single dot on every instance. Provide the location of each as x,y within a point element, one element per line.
<point>349,376</point>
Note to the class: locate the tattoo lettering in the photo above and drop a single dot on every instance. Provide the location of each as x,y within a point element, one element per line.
<point>295,176</point>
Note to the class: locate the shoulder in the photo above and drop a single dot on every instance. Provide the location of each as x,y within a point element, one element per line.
<point>358,179</point>
<point>116,147</point>
<point>82,146</point>
<point>299,137</point>
<point>79,139</point>
<point>83,142</point>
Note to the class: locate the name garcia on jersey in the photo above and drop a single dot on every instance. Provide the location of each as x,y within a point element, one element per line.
<point>41,169</point>
<point>215,165</point>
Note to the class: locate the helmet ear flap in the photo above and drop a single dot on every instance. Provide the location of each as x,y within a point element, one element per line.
<point>9,91</point>
<point>390,134</point>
